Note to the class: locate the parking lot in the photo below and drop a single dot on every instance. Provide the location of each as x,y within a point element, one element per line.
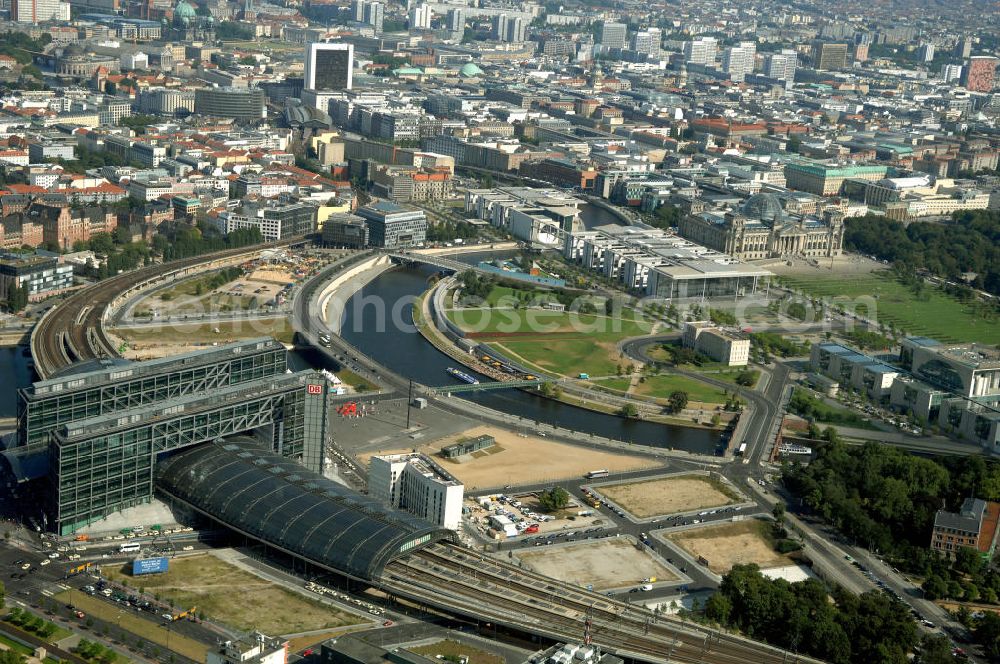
<point>490,513</point>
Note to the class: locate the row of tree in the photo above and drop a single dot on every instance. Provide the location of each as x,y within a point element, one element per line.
<point>971,244</point>
<point>17,298</point>
<point>885,499</point>
<point>95,652</point>
<point>183,241</point>
<point>31,623</point>
<point>801,617</point>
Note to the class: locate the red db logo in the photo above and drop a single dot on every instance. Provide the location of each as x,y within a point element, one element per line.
<point>314,389</point>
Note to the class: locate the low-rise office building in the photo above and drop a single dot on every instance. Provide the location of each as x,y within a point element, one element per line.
<point>391,226</point>
<point>729,348</point>
<point>857,370</point>
<point>974,526</point>
<point>40,276</point>
<point>345,230</point>
<point>661,264</point>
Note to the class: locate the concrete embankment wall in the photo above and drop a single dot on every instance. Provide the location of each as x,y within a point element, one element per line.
<point>334,296</point>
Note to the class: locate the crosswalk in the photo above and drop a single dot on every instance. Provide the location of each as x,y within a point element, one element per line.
<point>48,592</point>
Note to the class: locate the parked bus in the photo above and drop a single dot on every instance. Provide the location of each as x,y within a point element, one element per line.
<point>594,474</point>
<point>131,547</point>
<point>742,450</point>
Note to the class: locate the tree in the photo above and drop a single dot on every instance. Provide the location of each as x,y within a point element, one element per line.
<point>11,657</point>
<point>677,401</point>
<point>718,608</point>
<point>629,410</point>
<point>934,649</point>
<point>553,499</point>
<point>987,632</point>
<point>17,298</point>
<point>968,561</point>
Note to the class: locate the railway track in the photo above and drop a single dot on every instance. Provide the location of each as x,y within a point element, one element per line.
<point>489,589</point>
<point>72,331</point>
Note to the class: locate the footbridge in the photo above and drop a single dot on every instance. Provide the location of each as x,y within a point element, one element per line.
<point>485,387</point>
<point>443,262</point>
<point>275,501</point>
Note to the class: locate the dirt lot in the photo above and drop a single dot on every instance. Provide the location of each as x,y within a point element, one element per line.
<point>145,343</point>
<point>732,544</point>
<point>208,583</point>
<point>610,563</point>
<point>669,495</point>
<point>525,460</point>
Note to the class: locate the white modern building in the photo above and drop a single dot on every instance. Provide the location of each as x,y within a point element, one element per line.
<point>782,65</point>
<point>411,482</point>
<point>738,61</point>
<point>420,17</point>
<point>613,34</point>
<point>729,348</point>
<point>661,264</point>
<point>256,648</point>
<point>701,51</point>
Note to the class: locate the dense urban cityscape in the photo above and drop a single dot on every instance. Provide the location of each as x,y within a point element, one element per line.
<point>499,332</point>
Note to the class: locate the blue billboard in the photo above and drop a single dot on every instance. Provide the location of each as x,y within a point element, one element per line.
<point>149,566</point>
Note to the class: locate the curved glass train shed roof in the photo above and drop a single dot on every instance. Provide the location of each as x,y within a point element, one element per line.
<point>276,500</point>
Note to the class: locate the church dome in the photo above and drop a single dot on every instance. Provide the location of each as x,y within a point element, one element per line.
<point>184,10</point>
<point>470,70</point>
<point>763,207</point>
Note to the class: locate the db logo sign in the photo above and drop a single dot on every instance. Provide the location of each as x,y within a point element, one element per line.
<point>314,389</point>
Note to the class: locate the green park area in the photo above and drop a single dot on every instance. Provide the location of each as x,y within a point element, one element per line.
<point>564,343</point>
<point>930,312</point>
<point>664,385</point>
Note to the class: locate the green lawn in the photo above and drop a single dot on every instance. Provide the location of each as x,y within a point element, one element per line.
<point>662,386</point>
<point>617,384</point>
<point>506,296</point>
<point>542,322</point>
<point>934,314</point>
<point>729,375</point>
<point>568,357</point>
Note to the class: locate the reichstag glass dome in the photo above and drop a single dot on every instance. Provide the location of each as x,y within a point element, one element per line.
<point>764,207</point>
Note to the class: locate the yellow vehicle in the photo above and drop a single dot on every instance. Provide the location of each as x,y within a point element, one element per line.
<point>184,614</point>
<point>78,569</point>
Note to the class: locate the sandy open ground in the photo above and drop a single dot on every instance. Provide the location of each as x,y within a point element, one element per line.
<point>525,460</point>
<point>667,495</point>
<point>731,544</point>
<point>208,583</point>
<point>610,563</point>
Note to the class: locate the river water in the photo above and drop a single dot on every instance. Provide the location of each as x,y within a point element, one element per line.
<point>397,345</point>
<point>593,216</point>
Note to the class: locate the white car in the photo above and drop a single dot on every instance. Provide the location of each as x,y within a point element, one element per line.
<point>44,563</point>
<point>646,587</point>
<point>53,555</point>
<point>188,548</point>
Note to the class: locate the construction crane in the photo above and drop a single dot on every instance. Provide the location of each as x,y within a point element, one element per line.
<point>189,614</point>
